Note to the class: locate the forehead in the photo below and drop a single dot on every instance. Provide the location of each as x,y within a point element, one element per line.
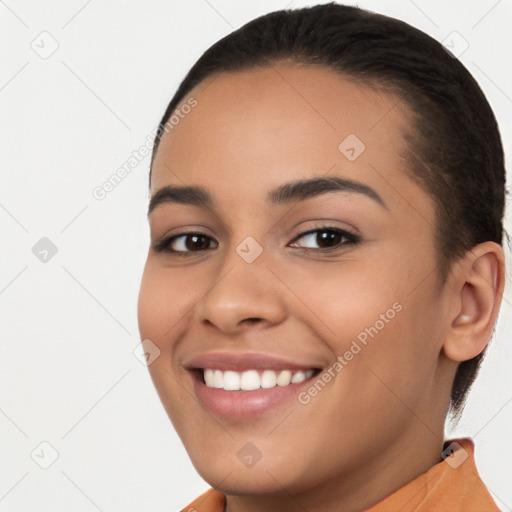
<point>252,130</point>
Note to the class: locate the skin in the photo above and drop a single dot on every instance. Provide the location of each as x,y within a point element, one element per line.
<point>379,423</point>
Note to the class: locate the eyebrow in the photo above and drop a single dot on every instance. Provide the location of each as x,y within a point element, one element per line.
<point>288,192</point>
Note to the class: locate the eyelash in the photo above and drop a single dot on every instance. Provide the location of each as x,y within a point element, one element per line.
<point>351,240</point>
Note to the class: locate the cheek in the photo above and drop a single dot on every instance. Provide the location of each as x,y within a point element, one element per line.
<point>160,309</point>
<point>163,302</point>
<point>368,315</point>
<point>345,299</point>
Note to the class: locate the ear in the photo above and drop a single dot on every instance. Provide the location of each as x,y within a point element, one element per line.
<point>477,282</point>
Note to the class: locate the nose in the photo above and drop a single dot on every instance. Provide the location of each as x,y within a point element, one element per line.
<point>242,296</point>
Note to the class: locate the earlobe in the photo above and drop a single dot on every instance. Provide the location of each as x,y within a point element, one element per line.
<point>478,286</point>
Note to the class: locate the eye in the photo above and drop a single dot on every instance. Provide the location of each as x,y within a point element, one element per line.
<point>184,243</point>
<point>327,238</point>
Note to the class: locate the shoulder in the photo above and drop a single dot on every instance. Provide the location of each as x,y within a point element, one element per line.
<point>209,501</point>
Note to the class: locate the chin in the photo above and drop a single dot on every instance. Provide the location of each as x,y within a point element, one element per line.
<point>231,480</point>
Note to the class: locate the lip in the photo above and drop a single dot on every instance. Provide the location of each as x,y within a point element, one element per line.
<point>240,362</point>
<point>245,404</point>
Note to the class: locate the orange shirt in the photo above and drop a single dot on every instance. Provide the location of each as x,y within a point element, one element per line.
<point>452,485</point>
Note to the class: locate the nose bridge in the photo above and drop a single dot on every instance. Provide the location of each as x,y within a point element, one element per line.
<point>242,288</point>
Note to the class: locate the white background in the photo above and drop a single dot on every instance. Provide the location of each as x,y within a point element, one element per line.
<point>69,375</point>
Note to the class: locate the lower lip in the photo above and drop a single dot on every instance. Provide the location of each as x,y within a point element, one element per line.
<point>244,404</point>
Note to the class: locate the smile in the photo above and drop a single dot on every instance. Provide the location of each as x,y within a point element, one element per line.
<point>239,385</point>
<point>251,380</point>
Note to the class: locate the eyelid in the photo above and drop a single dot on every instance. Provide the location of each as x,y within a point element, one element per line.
<point>326,227</point>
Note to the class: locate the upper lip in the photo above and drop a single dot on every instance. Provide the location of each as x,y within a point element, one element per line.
<point>245,361</point>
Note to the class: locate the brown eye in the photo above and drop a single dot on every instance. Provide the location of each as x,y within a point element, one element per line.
<point>196,242</point>
<point>325,239</point>
<point>328,238</point>
<point>185,243</point>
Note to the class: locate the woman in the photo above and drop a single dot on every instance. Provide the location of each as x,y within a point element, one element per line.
<point>326,265</point>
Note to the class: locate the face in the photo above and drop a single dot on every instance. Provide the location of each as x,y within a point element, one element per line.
<point>336,284</point>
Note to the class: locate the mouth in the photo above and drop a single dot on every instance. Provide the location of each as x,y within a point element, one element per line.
<point>241,386</point>
<point>253,379</point>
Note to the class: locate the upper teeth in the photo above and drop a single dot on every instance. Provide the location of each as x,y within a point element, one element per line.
<point>251,379</point>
